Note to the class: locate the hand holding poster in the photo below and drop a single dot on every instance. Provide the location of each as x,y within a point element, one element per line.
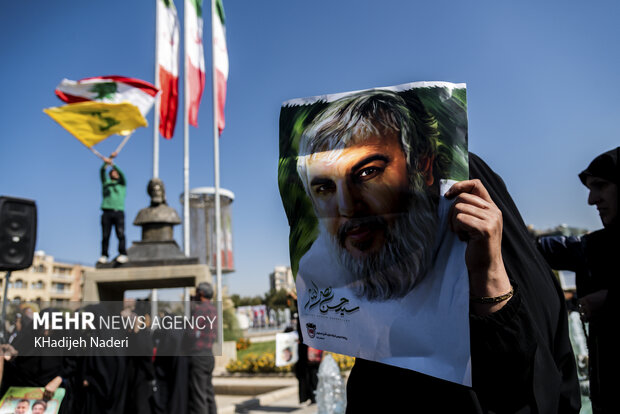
<point>362,177</point>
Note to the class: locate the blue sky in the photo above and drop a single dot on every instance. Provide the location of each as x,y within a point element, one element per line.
<point>541,85</point>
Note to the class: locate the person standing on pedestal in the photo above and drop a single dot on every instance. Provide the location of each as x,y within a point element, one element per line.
<point>114,186</point>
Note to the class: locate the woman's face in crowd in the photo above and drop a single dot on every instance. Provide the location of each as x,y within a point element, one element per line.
<point>603,195</point>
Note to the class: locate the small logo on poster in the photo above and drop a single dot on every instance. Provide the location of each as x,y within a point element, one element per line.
<point>311,329</point>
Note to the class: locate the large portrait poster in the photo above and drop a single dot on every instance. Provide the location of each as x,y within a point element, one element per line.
<point>379,274</point>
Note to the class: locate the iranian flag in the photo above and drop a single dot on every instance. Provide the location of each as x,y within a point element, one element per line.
<point>168,65</point>
<point>220,61</point>
<point>195,58</point>
<point>109,89</point>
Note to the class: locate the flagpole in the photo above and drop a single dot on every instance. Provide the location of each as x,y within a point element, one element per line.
<point>216,166</point>
<point>157,98</point>
<point>186,246</point>
<point>94,151</point>
<point>122,144</point>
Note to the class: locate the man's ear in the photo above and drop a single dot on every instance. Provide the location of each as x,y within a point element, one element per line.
<point>426,164</point>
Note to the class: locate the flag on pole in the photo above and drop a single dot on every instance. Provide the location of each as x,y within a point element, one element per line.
<point>195,58</point>
<point>92,122</point>
<point>109,89</point>
<point>168,62</point>
<point>220,61</point>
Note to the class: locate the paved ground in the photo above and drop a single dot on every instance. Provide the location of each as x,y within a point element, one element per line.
<point>284,404</point>
<point>257,395</point>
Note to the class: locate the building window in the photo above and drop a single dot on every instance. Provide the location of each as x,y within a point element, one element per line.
<point>59,302</point>
<point>37,285</point>
<point>19,284</point>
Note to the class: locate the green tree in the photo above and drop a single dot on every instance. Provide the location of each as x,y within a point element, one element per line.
<point>246,300</point>
<point>232,331</point>
<point>236,299</point>
<point>276,299</point>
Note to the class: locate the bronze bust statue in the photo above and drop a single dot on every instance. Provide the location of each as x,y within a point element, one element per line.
<point>158,219</point>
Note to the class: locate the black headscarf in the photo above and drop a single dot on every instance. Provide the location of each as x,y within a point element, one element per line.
<point>605,166</point>
<point>522,360</point>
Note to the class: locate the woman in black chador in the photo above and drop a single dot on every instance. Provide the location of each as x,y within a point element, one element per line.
<point>595,258</point>
<point>521,357</point>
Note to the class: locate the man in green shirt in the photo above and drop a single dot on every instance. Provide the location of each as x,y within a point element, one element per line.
<point>114,187</point>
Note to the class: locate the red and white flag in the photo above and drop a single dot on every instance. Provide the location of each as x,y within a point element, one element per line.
<point>195,58</point>
<point>168,65</point>
<point>109,89</point>
<point>220,61</point>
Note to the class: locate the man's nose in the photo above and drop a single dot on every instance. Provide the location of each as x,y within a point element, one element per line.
<point>346,200</point>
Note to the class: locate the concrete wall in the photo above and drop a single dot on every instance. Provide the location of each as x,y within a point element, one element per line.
<point>110,284</point>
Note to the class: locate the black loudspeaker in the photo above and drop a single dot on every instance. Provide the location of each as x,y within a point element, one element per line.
<point>18,232</point>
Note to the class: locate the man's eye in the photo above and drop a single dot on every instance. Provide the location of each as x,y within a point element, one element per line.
<point>368,172</point>
<point>323,188</point>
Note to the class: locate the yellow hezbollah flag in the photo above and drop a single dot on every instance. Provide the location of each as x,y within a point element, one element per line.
<point>92,122</point>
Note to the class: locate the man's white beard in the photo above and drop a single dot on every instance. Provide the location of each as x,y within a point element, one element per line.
<point>403,260</point>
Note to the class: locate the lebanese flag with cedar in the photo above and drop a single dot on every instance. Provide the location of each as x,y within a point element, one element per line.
<point>109,89</point>
<point>168,65</point>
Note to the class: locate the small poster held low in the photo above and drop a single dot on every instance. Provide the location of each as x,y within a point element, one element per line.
<point>22,400</point>
<point>286,348</point>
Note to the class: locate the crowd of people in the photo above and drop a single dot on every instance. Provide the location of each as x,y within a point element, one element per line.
<point>522,360</point>
<point>521,356</point>
<point>167,374</point>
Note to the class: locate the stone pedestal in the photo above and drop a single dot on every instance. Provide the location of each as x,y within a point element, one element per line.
<point>229,351</point>
<point>110,284</point>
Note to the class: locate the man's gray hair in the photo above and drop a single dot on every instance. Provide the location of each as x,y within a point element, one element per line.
<point>351,119</point>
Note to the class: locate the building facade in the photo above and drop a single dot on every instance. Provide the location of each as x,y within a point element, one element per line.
<point>282,278</point>
<point>46,281</point>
